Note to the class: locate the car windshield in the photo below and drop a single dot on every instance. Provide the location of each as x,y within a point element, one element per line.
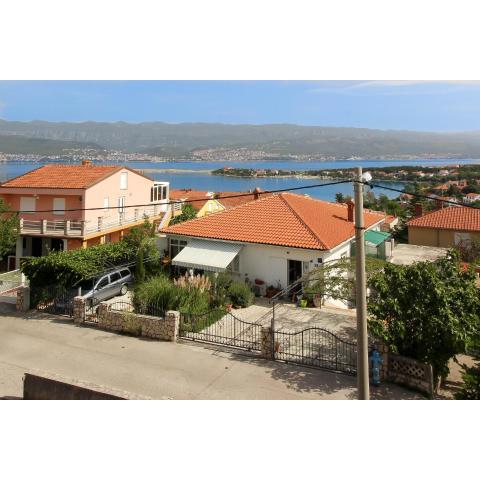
<point>86,285</point>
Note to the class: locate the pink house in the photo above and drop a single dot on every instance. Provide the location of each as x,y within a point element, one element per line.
<point>64,207</point>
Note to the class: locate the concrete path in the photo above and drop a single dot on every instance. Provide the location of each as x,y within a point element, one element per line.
<point>157,369</point>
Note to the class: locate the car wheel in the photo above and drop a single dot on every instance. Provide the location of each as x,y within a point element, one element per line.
<point>123,290</point>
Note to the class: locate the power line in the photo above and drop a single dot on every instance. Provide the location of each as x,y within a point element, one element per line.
<point>182,202</point>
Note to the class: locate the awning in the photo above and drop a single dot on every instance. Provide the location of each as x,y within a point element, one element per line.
<point>207,255</point>
<point>375,237</point>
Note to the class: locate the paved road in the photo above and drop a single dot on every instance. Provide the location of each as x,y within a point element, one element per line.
<point>156,369</point>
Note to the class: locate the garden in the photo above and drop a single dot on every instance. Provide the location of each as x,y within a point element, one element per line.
<point>155,292</point>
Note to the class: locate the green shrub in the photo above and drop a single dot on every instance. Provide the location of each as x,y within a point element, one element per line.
<point>165,295</point>
<point>69,267</point>
<point>240,294</point>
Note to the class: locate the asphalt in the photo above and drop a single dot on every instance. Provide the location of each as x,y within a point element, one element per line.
<point>159,370</point>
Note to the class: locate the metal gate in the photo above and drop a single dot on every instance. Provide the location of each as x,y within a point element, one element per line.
<point>53,299</point>
<point>316,347</point>
<point>221,328</point>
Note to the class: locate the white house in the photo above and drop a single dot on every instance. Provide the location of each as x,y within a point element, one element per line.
<point>277,238</point>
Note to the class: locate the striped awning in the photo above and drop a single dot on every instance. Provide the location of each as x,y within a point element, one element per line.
<point>207,255</point>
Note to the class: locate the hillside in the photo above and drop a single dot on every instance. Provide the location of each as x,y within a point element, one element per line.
<point>181,139</point>
<point>22,145</point>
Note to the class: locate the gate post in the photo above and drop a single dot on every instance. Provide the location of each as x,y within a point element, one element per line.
<point>23,299</point>
<point>172,320</point>
<point>78,310</point>
<point>266,343</point>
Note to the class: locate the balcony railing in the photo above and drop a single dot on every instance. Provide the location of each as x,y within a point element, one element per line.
<point>81,228</point>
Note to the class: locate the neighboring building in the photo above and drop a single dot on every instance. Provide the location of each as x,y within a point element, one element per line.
<point>446,227</point>
<point>75,193</point>
<point>471,198</point>
<point>277,238</point>
<point>210,202</point>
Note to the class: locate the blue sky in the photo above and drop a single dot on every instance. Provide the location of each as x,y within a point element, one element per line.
<point>411,105</point>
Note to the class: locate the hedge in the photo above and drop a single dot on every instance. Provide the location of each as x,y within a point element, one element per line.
<point>68,268</point>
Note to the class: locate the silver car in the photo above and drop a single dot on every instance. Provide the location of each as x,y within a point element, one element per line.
<point>106,286</point>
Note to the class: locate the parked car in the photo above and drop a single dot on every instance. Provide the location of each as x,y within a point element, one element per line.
<point>106,286</point>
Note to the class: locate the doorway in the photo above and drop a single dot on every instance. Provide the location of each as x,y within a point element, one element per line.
<point>294,271</point>
<point>36,246</point>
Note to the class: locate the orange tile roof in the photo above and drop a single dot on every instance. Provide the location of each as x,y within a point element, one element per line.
<point>235,201</point>
<point>451,218</point>
<point>189,194</point>
<point>62,176</point>
<point>284,219</point>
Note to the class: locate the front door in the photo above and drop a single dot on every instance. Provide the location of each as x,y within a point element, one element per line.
<point>36,247</point>
<point>294,272</point>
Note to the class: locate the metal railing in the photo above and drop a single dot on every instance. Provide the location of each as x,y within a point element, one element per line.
<point>85,227</point>
<point>316,347</point>
<point>222,328</point>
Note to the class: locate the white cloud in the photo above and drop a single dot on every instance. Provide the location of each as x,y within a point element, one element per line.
<point>391,87</point>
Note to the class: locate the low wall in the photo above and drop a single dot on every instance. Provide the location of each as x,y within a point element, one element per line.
<point>140,325</point>
<point>36,387</point>
<point>409,372</point>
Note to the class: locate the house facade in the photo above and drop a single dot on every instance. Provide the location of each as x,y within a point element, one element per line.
<point>64,207</point>
<point>209,202</point>
<point>446,227</point>
<point>276,239</point>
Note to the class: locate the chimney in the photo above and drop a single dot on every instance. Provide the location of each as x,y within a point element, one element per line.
<point>418,210</point>
<point>256,193</point>
<point>86,163</point>
<point>351,209</point>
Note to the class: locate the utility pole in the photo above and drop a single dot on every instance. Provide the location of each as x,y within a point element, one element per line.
<point>361,291</point>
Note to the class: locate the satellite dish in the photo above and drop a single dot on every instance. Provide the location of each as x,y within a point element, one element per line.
<point>367,176</point>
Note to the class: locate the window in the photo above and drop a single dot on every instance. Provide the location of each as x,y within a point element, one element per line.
<point>27,204</point>
<point>158,192</point>
<point>59,206</point>
<point>114,277</point>
<point>121,204</point>
<point>106,202</point>
<point>102,283</point>
<point>125,273</point>
<point>176,246</point>
<point>123,181</point>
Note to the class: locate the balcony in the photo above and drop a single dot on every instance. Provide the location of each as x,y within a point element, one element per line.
<point>83,228</point>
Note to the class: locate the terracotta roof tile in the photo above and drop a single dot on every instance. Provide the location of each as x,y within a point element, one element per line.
<point>282,219</point>
<point>451,218</point>
<point>61,176</point>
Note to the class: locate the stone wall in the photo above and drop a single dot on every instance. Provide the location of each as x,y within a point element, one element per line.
<point>78,310</point>
<point>266,345</point>
<point>410,372</point>
<point>139,325</point>
<point>23,299</point>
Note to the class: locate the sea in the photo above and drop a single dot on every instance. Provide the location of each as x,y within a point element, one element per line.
<point>196,175</point>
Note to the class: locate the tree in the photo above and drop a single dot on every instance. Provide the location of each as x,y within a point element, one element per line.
<point>426,311</point>
<point>142,240</point>
<point>336,279</point>
<point>339,198</point>
<point>470,389</point>
<point>188,213</point>
<point>140,267</point>
<point>9,229</point>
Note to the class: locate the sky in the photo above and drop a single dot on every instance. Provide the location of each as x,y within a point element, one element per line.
<point>404,105</point>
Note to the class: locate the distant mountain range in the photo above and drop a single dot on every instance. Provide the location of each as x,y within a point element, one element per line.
<point>180,140</point>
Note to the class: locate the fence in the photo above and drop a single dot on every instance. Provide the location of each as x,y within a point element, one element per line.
<point>316,347</point>
<point>222,328</point>
<point>52,299</point>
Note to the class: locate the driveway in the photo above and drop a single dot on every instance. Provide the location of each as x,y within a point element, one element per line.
<point>158,369</point>
<point>289,317</point>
